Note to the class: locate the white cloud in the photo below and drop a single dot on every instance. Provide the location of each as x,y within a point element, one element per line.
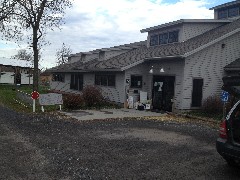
<point>95,24</point>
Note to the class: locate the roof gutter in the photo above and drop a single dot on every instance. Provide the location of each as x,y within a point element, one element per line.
<point>232,69</point>
<point>164,57</point>
<point>150,59</point>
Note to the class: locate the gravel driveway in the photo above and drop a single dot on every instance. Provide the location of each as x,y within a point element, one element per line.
<point>53,147</point>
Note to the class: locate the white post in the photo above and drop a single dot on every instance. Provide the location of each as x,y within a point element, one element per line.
<point>42,108</point>
<point>34,105</point>
<point>60,107</point>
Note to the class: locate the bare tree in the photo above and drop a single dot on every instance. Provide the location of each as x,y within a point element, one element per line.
<point>62,54</point>
<point>17,17</point>
<point>24,55</point>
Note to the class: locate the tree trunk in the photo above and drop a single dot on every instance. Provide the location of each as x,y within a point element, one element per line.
<point>35,61</point>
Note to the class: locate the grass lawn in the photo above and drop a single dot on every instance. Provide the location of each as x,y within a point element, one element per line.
<point>8,94</point>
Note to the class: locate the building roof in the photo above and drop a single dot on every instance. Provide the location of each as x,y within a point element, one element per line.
<point>114,48</point>
<point>14,62</point>
<point>225,5</point>
<point>233,66</point>
<point>181,21</point>
<point>144,53</point>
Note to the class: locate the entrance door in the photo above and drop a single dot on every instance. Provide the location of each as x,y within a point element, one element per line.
<point>163,92</point>
<point>18,78</point>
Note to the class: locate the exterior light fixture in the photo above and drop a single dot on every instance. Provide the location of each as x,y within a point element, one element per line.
<point>162,70</point>
<point>151,70</point>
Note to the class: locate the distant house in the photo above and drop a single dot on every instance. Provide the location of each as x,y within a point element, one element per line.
<point>45,77</point>
<point>15,72</point>
<point>179,65</point>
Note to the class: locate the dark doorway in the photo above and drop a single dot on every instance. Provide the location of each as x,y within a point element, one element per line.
<point>163,92</point>
<point>197,92</point>
<point>18,78</point>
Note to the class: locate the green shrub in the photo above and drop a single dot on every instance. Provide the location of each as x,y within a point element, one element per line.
<point>92,96</point>
<point>212,105</point>
<point>73,101</point>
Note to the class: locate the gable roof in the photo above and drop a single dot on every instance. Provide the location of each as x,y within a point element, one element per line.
<point>181,21</point>
<point>14,62</point>
<point>225,5</point>
<point>182,49</point>
<point>144,53</point>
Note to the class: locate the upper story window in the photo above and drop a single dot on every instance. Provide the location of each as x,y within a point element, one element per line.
<point>136,81</point>
<point>228,13</point>
<point>105,80</point>
<point>173,37</point>
<point>232,12</point>
<point>164,38</point>
<point>222,14</point>
<point>153,40</point>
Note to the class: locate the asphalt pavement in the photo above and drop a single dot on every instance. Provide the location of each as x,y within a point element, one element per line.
<point>47,146</point>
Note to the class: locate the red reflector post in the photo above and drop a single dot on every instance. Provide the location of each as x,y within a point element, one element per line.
<point>223,130</point>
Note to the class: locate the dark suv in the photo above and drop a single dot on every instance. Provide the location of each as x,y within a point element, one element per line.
<point>228,143</point>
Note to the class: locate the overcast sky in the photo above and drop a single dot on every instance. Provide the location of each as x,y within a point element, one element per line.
<point>92,24</point>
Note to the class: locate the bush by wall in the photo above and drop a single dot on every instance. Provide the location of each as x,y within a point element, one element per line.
<point>73,101</point>
<point>212,105</point>
<point>92,96</point>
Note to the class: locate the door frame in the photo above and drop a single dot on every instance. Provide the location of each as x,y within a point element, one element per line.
<point>162,76</point>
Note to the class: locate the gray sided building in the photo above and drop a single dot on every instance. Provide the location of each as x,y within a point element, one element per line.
<point>179,65</point>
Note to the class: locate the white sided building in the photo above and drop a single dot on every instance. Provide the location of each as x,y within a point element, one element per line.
<point>180,64</point>
<point>14,71</point>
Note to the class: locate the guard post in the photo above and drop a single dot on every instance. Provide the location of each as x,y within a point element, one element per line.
<point>224,98</point>
<point>34,95</point>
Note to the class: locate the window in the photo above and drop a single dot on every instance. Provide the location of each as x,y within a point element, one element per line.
<point>76,82</point>
<point>222,14</point>
<point>105,80</point>
<point>169,37</point>
<point>153,40</point>
<point>136,81</point>
<point>173,37</point>
<point>197,92</point>
<point>58,77</point>
<point>163,38</point>
<point>233,12</point>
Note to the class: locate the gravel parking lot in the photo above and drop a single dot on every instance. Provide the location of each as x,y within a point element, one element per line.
<point>54,147</point>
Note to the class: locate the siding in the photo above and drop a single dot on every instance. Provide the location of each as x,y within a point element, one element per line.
<point>7,78</point>
<point>115,94</point>
<point>208,64</point>
<point>191,30</point>
<point>25,79</point>
<point>63,86</point>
